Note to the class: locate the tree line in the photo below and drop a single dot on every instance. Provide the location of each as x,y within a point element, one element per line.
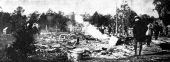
<point>16,20</point>
<point>124,19</point>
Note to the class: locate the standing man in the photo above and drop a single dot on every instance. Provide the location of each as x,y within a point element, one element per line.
<point>149,33</point>
<point>139,30</point>
<point>156,30</point>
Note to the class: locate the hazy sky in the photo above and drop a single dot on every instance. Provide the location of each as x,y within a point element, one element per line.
<point>78,6</point>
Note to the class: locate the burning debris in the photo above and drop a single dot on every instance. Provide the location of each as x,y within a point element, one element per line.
<point>105,49</point>
<point>87,43</point>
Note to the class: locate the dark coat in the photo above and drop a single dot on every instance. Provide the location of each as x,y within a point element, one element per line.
<point>139,31</point>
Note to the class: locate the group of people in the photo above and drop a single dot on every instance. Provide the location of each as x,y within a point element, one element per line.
<point>143,33</point>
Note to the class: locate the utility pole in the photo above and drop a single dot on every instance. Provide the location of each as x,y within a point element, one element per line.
<point>116,19</point>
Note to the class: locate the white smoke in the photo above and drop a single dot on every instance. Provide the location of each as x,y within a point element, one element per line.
<point>90,29</point>
<point>94,32</point>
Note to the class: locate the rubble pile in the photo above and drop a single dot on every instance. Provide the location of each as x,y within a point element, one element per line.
<point>49,45</point>
<point>46,38</point>
<point>78,53</point>
<point>103,50</point>
<point>113,53</point>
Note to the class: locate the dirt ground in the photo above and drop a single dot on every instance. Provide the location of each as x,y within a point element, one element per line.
<point>154,53</point>
<point>150,54</point>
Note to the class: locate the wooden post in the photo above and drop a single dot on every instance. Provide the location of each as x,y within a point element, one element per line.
<point>46,28</point>
<point>116,20</point>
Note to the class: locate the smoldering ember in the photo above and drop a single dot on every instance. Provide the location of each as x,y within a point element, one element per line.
<point>84,31</point>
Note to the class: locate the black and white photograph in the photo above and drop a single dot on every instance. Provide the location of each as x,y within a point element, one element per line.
<point>84,31</point>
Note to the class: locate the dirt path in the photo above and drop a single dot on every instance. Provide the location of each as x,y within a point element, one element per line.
<point>150,54</point>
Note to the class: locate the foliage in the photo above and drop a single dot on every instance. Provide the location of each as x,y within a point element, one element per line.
<point>147,19</point>
<point>23,45</point>
<point>34,17</point>
<point>17,19</point>
<point>24,38</point>
<point>163,9</point>
<point>125,15</point>
<point>99,19</point>
<point>54,20</point>
<point>4,20</point>
<point>42,20</point>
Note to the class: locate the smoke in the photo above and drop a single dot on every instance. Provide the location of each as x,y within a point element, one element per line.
<point>92,30</point>
<point>89,29</point>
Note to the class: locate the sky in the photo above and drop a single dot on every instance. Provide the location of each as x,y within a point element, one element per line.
<point>78,6</point>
